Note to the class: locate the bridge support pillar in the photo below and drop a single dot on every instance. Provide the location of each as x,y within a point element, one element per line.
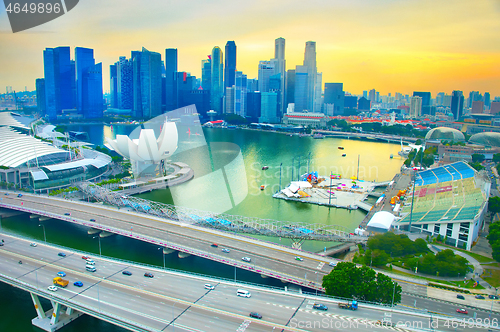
<point>264,276</point>
<point>183,254</point>
<point>167,251</point>
<point>55,318</point>
<point>297,245</point>
<point>106,234</point>
<point>93,231</point>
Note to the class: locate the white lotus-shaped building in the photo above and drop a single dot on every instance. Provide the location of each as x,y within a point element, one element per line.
<point>147,154</point>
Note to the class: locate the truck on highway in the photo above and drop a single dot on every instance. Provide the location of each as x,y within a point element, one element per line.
<point>58,281</point>
<point>351,306</point>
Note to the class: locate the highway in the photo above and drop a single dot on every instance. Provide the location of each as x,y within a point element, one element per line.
<point>266,258</point>
<point>175,300</point>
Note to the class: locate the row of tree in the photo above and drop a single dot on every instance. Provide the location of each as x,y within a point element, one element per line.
<point>397,245</point>
<point>494,231</point>
<point>361,283</point>
<point>445,263</point>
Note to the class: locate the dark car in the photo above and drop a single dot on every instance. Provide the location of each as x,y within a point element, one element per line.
<point>461,297</point>
<point>215,245</point>
<point>67,214</point>
<point>127,273</point>
<point>320,306</point>
<point>61,254</point>
<point>93,220</point>
<point>78,283</point>
<point>256,315</point>
<point>493,297</point>
<point>19,195</point>
<point>479,297</point>
<point>149,275</point>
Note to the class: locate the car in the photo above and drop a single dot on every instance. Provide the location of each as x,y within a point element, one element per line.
<point>127,273</point>
<point>52,288</point>
<point>226,250</point>
<point>19,195</point>
<point>320,306</point>
<point>215,245</point>
<point>297,258</point>
<point>33,244</point>
<point>208,286</point>
<point>149,275</point>
<point>246,259</point>
<point>61,274</point>
<point>6,194</point>
<point>67,214</point>
<point>493,297</point>
<point>460,296</point>
<point>85,257</point>
<point>332,264</point>
<point>90,262</point>
<point>1,244</point>
<point>255,315</point>
<point>78,283</point>
<point>462,311</point>
<point>93,220</point>
<point>61,254</point>
<point>480,297</point>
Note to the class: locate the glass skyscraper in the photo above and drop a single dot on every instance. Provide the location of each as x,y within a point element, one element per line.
<point>217,85</point>
<point>58,85</point>
<point>171,96</point>
<point>230,64</point>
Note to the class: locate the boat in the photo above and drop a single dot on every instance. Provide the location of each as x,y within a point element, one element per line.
<point>392,156</point>
<point>341,148</point>
<point>262,187</point>
<point>343,155</point>
<point>318,136</point>
<point>265,167</point>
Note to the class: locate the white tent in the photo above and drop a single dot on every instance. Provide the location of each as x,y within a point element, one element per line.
<point>381,221</point>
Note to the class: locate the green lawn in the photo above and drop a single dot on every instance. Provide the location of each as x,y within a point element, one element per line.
<point>480,258</point>
<point>469,284</point>
<point>494,280</point>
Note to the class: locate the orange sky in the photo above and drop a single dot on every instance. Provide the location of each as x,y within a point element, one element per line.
<point>387,45</point>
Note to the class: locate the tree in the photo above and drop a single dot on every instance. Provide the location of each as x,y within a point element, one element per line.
<point>477,158</point>
<point>496,157</point>
<point>494,205</point>
<point>418,142</point>
<point>476,166</point>
<point>363,283</point>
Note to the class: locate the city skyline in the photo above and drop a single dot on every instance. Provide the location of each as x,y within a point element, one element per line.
<point>391,46</point>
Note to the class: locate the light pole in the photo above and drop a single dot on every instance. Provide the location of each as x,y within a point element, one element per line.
<point>492,300</point>
<point>43,227</point>
<point>99,244</point>
<point>316,273</point>
<point>393,293</point>
<point>163,257</point>
<point>280,175</point>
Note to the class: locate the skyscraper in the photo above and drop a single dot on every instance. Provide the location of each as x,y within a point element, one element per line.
<point>301,88</point>
<point>84,59</point>
<point>240,93</point>
<point>269,106</point>
<point>457,104</point>
<point>415,107</point>
<point>40,95</point>
<point>265,71</point>
<point>217,83</point>
<point>334,95</point>
<point>279,57</point>
<point>206,74</point>
<point>229,100</point>
<point>426,101</point>
<point>58,85</point>
<point>171,97</point>
<point>146,83</point>
<point>310,64</point>
<point>372,97</point>
<point>290,87</point>
<point>230,64</point>
<point>113,85</point>
<point>487,99</point>
<point>92,99</point>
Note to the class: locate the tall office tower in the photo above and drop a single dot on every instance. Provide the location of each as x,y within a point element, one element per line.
<point>40,95</point>
<point>58,85</point>
<point>146,83</point>
<point>377,97</point>
<point>217,76</point>
<point>372,97</point>
<point>84,58</point>
<point>495,107</point>
<point>124,72</point>
<point>206,74</point>
<point>457,104</point>
<point>290,87</point>
<point>318,98</point>
<point>426,101</point>
<point>113,85</point>
<point>415,107</point>
<point>268,107</point>
<point>240,93</point>
<point>365,94</point>
<point>230,64</point>
<point>301,88</point>
<point>440,99</point>
<point>92,96</point>
<point>279,57</point>
<point>310,64</point>
<point>473,96</point>
<point>229,100</point>
<point>477,107</point>
<point>447,100</point>
<point>266,70</point>
<point>171,97</point>
<point>253,105</point>
<point>487,99</point>
<point>334,95</point>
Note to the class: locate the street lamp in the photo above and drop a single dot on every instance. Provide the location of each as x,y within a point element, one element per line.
<point>43,227</point>
<point>393,293</point>
<point>99,244</point>
<point>492,300</point>
<point>163,257</point>
<point>316,273</point>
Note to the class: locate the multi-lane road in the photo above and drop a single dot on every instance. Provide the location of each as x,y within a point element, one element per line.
<point>172,300</point>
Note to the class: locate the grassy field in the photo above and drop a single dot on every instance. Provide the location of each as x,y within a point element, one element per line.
<point>479,258</point>
<point>494,279</point>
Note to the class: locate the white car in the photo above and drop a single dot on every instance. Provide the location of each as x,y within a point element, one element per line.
<point>33,244</point>
<point>332,264</point>
<point>52,288</point>
<point>208,286</point>
<point>246,259</point>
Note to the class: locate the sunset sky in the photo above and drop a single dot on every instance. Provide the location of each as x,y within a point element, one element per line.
<point>387,45</point>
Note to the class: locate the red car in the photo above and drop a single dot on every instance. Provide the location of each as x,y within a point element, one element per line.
<point>462,311</point>
<point>85,257</point>
<point>149,275</point>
